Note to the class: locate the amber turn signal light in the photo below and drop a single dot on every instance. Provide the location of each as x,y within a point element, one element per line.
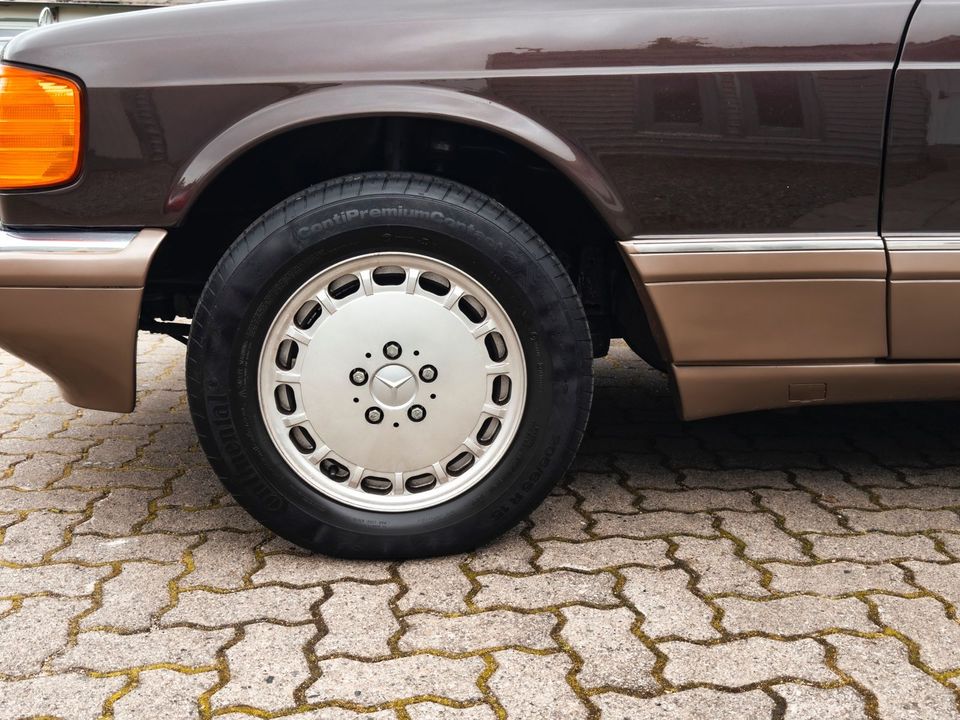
<point>39,128</point>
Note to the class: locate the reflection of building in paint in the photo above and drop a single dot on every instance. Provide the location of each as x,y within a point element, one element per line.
<point>806,115</point>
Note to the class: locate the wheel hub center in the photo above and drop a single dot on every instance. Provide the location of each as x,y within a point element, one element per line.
<point>394,386</point>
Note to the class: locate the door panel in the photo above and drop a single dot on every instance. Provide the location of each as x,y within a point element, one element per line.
<point>921,217</point>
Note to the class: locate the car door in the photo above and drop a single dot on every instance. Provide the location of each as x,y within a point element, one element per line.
<point>921,211</point>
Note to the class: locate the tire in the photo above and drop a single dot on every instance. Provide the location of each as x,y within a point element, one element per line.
<point>391,242</point>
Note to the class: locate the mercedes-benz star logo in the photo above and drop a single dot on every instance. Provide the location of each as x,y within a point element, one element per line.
<point>394,386</point>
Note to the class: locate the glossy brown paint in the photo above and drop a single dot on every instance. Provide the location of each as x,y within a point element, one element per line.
<point>708,116</point>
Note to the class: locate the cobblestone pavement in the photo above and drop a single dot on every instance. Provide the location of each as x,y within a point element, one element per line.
<point>781,565</point>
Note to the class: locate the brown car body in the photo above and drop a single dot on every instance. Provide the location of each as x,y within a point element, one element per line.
<point>776,182</point>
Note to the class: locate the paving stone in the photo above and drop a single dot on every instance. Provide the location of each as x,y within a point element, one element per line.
<point>925,498</point>
<point>796,615</point>
<point>925,621</point>
<point>945,476</point>
<point>739,663</point>
<point>810,703</point>
<point>231,517</point>
<point>837,578</point>
<point>61,579</point>
<point>196,488</point>
<point>224,560</point>
<point>553,696</point>
<point>36,472</point>
<point>266,667</point>
<point>164,694</point>
<point>695,704</point>
<point>103,651</point>
<point>305,570</point>
<point>433,711</point>
<point>799,512</point>
<point>598,554</point>
<point>763,539</point>
<point>653,524</point>
<point>481,631</point>
<point>374,683</point>
<point>612,655</point>
<point>557,517</point>
<point>68,695</point>
<point>510,553</point>
<point>951,542</point>
<point>736,479</point>
<point>36,631</point>
<point>352,602</point>
<point>132,599</point>
<point>718,567</point>
<point>94,549</point>
<point>330,713</point>
<point>668,606</point>
<point>29,540</point>
<point>697,500</point>
<point>63,500</point>
<point>646,471</point>
<point>944,580</point>
<point>118,513</point>
<point>901,521</point>
<point>436,584</point>
<point>832,489</point>
<point>875,548</point>
<point>602,492</point>
<point>216,609</point>
<point>903,692</point>
<point>545,590</point>
<point>135,477</point>
<point>112,452</point>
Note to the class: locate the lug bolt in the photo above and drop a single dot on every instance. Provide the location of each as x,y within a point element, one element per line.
<point>392,350</point>
<point>374,416</point>
<point>428,373</point>
<point>358,377</point>
<point>417,413</point>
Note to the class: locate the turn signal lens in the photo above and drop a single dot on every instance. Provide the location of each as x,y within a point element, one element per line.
<point>39,128</point>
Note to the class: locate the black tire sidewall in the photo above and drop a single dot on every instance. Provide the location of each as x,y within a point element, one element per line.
<point>274,259</point>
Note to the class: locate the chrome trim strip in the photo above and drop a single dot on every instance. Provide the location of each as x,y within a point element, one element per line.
<point>71,241</point>
<point>650,244</point>
<point>929,243</point>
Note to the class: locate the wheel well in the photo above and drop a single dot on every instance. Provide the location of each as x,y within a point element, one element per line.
<point>478,158</point>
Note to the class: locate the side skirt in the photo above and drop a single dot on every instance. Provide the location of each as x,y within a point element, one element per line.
<point>709,391</point>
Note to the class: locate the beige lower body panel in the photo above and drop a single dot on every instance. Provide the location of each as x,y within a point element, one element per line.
<point>772,320</point>
<point>83,338</point>
<point>74,315</point>
<point>709,391</point>
<point>765,299</point>
<point>924,301</point>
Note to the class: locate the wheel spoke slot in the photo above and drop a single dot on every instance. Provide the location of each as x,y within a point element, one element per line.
<point>287,355</point>
<point>390,276</point>
<point>461,463</point>
<point>303,440</point>
<point>472,309</point>
<point>343,287</point>
<point>286,399</point>
<point>377,485</point>
<point>501,390</point>
<point>308,314</point>
<point>496,346</point>
<point>489,431</point>
<point>334,470</point>
<point>421,483</point>
<point>434,284</point>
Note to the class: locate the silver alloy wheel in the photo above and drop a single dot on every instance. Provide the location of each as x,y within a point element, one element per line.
<point>392,382</point>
